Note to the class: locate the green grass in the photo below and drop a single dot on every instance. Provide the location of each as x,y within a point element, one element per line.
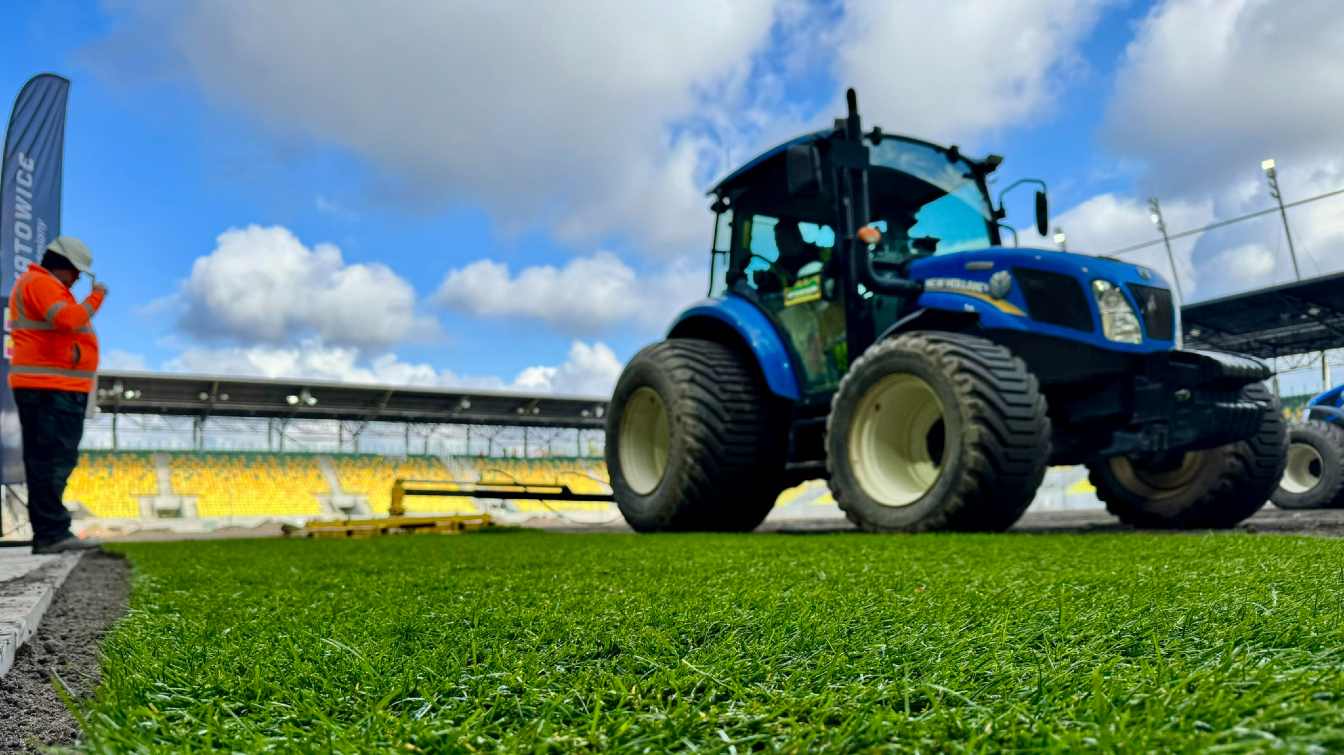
<point>530,641</point>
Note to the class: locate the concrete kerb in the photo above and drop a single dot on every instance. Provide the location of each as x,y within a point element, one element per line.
<point>27,585</point>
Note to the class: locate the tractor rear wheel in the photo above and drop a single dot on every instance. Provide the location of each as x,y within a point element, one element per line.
<point>937,431</point>
<point>1314,475</point>
<point>1214,488</point>
<point>694,440</point>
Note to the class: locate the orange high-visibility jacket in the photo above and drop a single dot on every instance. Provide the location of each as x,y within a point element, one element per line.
<point>55,347</point>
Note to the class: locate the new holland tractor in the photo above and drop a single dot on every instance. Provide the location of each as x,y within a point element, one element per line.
<point>1314,475</point>
<point>866,324</point>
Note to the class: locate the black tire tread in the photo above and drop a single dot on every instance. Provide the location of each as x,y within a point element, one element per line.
<point>1250,474</point>
<point>731,429</point>
<point>1008,443</point>
<point>1328,496</point>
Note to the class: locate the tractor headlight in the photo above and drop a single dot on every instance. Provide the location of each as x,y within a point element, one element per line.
<point>1119,321</point>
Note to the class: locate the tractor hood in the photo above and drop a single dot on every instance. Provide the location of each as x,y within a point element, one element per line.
<point>1050,292</point>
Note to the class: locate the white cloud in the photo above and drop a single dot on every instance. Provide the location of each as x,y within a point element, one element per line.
<point>1244,266</point>
<point>118,359</point>
<point>1108,222</point>
<point>589,369</point>
<point>546,113</point>
<point>586,295</point>
<point>955,69</point>
<point>264,285</point>
<point>1208,88</point>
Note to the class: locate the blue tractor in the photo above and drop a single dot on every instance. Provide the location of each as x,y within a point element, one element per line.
<point>865,324</point>
<point>1314,475</point>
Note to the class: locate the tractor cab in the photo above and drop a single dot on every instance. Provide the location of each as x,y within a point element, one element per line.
<point>822,232</point>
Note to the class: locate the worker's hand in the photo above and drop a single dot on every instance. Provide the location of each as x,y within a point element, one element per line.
<point>100,287</point>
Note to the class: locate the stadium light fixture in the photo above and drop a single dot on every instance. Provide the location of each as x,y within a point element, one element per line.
<point>1268,167</point>
<point>292,400</point>
<point>203,396</point>
<point>464,404</point>
<point>599,411</point>
<point>223,397</point>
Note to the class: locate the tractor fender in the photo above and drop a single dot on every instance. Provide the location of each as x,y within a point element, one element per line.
<point>932,319</point>
<point>1327,413</point>
<point>1329,398</point>
<point>736,321</point>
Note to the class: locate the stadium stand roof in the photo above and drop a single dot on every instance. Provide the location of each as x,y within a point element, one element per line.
<point>1293,318</point>
<point>205,395</point>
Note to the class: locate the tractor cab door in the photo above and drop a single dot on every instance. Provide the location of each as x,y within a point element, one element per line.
<point>785,265</point>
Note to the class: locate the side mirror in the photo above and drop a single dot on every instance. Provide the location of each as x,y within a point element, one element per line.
<point>802,164</point>
<point>1042,213</point>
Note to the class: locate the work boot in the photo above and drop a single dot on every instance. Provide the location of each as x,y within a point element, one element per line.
<point>67,544</point>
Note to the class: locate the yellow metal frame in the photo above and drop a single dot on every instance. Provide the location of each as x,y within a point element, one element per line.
<point>396,521</point>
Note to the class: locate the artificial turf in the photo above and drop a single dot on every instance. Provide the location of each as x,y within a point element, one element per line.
<point>839,642</point>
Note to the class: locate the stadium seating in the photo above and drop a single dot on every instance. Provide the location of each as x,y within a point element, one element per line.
<point>250,484</point>
<point>372,476</point>
<point>109,485</point>
<point>581,476</point>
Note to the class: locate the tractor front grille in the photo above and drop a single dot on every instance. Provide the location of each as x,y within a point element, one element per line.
<point>1155,307</point>
<point>1055,298</point>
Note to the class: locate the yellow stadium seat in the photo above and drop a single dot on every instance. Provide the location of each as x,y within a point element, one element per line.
<point>109,485</point>
<point>250,485</point>
<point>372,476</point>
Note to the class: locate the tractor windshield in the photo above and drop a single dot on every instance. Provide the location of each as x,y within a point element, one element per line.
<point>925,201</point>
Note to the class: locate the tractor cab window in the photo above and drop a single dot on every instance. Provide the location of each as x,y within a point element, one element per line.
<point>784,262</point>
<point>925,202</point>
<point>774,254</point>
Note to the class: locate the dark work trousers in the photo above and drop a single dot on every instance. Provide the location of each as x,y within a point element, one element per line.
<point>53,423</point>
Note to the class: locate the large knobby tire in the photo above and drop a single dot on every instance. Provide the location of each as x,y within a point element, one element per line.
<point>1313,476</point>
<point>937,431</point>
<point>1214,488</point>
<point>694,440</point>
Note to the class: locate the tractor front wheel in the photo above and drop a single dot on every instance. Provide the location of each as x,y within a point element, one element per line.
<point>694,440</point>
<point>1213,488</point>
<point>1314,475</point>
<point>937,431</point>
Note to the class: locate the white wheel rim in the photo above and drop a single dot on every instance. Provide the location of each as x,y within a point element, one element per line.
<point>644,441</point>
<point>1303,470</point>
<point>890,440</point>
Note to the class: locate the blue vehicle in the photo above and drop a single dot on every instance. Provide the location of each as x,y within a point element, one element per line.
<point>1314,475</point>
<point>866,324</point>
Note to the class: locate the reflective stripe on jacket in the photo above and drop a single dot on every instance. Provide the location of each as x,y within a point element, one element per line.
<point>55,347</point>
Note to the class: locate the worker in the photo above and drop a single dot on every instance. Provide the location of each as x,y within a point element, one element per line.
<point>52,373</point>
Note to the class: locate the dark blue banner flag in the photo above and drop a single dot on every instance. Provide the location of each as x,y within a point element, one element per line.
<point>30,216</point>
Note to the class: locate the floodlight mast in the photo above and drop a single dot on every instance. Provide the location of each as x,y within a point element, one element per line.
<point>1272,174</point>
<point>1155,214</point>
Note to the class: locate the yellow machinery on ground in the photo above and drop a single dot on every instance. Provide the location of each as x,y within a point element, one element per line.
<point>397,522</point>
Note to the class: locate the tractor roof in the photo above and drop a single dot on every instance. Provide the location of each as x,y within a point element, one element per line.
<point>740,175</point>
<point>737,175</point>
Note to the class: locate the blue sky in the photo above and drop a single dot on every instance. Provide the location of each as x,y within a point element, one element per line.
<point>515,192</point>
